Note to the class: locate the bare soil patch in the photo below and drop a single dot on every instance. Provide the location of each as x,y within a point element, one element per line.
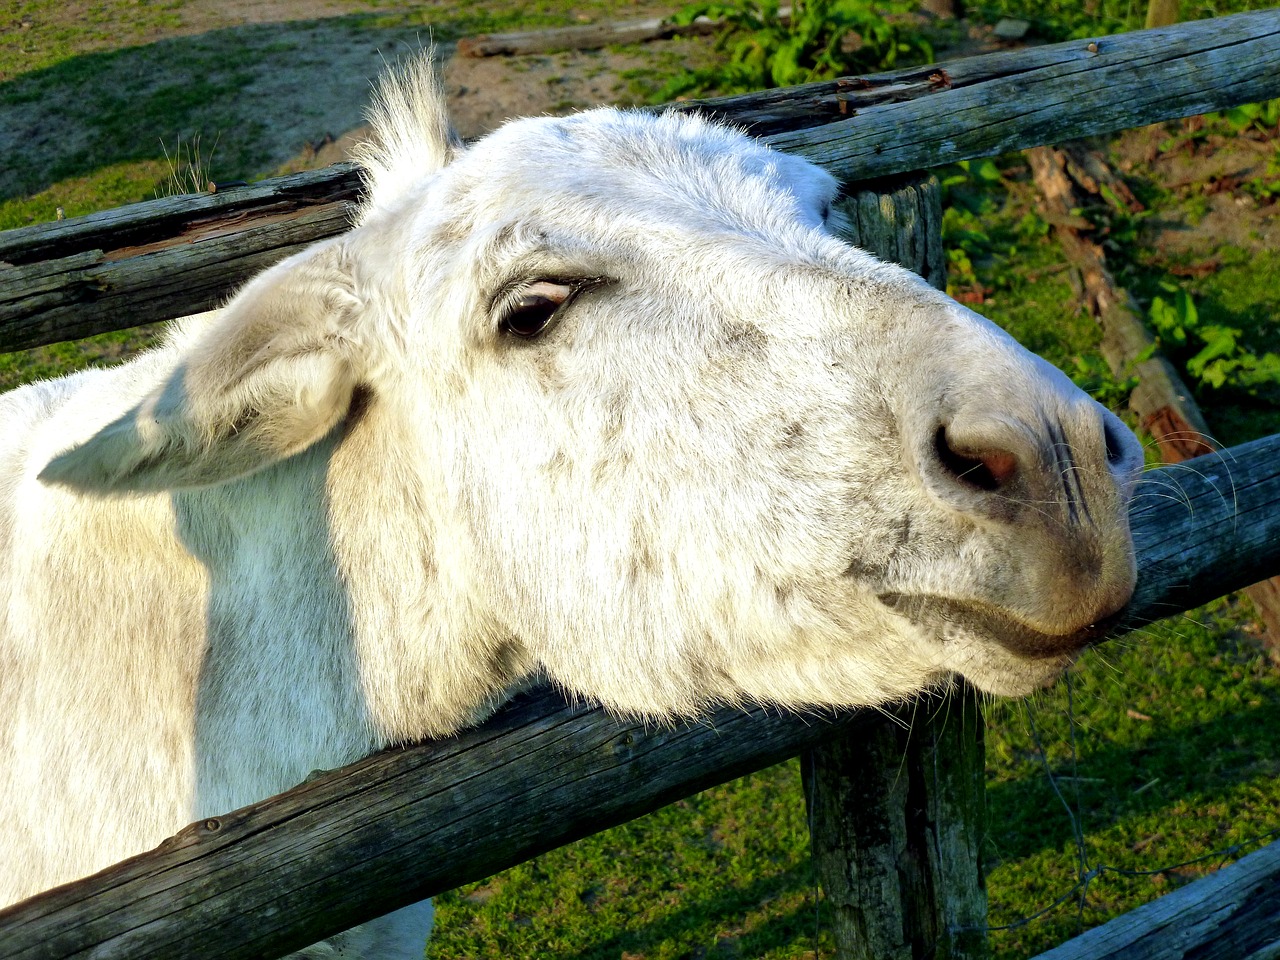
<point>276,84</point>
<point>1210,172</point>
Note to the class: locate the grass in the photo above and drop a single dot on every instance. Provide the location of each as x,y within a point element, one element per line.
<point>1173,761</point>
<point>1068,19</point>
<point>46,34</point>
<point>91,111</point>
<point>1162,745</point>
<point>57,359</point>
<point>721,874</point>
<point>131,107</point>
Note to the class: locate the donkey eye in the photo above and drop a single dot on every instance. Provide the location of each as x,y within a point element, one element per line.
<point>531,310</point>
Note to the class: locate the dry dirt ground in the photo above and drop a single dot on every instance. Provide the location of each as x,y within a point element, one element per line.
<point>1231,217</point>
<point>482,91</point>
<point>298,71</point>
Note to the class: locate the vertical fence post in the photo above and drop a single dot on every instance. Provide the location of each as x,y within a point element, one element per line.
<point>897,809</point>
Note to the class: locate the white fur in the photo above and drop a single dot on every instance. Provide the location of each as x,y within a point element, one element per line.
<point>351,510</point>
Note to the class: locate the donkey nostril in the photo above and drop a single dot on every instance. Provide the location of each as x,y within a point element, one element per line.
<point>981,469</point>
<point>1114,440</point>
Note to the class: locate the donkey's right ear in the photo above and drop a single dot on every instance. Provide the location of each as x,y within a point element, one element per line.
<point>411,136</point>
<point>271,377</point>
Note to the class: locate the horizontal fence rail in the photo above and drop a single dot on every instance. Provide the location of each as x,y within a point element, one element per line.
<point>1027,98</point>
<point>160,259</point>
<point>1232,914</point>
<point>163,258</point>
<point>413,822</point>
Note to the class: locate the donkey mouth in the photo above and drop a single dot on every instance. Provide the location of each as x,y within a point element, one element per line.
<point>945,616</point>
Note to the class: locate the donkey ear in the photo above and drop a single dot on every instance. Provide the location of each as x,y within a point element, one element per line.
<point>410,134</point>
<point>266,380</point>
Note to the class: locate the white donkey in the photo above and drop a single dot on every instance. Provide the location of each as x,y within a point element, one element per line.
<point>599,400</point>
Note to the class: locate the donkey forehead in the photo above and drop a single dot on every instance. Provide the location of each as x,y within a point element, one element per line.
<point>675,169</point>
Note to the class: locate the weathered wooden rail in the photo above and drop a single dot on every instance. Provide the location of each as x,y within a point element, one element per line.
<point>410,823</point>
<point>162,258</point>
<point>1232,914</point>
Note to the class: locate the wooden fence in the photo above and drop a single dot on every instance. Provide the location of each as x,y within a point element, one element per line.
<point>410,823</point>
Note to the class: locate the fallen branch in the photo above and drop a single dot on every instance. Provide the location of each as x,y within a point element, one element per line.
<point>589,36</point>
<point>1161,401</point>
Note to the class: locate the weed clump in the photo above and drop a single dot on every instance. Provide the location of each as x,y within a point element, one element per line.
<point>818,40</point>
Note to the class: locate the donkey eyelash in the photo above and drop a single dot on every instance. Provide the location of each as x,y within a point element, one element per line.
<point>509,297</point>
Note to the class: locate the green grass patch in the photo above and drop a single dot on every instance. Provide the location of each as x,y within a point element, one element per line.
<point>1004,262</point>
<point>815,42</point>
<point>59,359</point>
<point>1237,310</point>
<point>1068,19</point>
<point>137,104</point>
<point>722,874</point>
<point>1162,748</point>
<point>43,33</point>
<point>112,186</point>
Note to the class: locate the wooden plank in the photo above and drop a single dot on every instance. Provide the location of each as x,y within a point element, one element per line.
<point>1162,13</point>
<point>1002,102</point>
<point>897,813</point>
<point>1232,914</point>
<point>161,258</point>
<point>897,808</point>
<point>1204,528</point>
<point>172,220</point>
<point>857,127</point>
<point>408,823</point>
<point>412,823</point>
<point>101,290</point>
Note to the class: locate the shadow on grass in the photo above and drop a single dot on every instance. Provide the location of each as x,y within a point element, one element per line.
<point>804,925</point>
<point>1193,766</point>
<point>253,96</point>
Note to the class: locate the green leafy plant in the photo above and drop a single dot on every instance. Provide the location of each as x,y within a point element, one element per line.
<point>1265,188</point>
<point>1212,353</point>
<point>1258,121</point>
<point>966,172</point>
<point>1264,117</point>
<point>969,188</point>
<point>821,39</point>
<point>1062,19</point>
<point>1091,373</point>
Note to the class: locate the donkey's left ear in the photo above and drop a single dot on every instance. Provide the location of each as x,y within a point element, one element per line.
<point>266,380</point>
